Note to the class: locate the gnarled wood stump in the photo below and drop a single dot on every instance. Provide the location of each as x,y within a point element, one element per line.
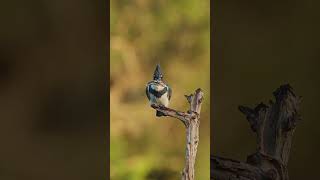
<point>274,126</point>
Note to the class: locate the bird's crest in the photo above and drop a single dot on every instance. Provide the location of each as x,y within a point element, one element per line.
<point>157,75</point>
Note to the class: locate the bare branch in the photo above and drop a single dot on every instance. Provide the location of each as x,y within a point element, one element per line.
<point>191,120</point>
<point>189,97</point>
<point>182,116</point>
<point>231,169</point>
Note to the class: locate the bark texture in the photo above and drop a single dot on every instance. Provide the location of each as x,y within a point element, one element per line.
<point>191,120</point>
<point>274,126</point>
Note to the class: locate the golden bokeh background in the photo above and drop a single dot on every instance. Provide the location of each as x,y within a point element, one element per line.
<point>175,34</point>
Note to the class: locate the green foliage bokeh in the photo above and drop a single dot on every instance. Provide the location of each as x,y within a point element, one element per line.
<point>175,34</point>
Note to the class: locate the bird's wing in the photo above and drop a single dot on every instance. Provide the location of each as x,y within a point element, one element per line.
<point>147,91</point>
<point>169,92</point>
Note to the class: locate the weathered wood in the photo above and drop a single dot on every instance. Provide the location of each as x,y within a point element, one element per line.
<point>274,126</point>
<point>191,120</point>
<point>232,170</point>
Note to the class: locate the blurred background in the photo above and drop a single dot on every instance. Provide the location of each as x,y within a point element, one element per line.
<point>175,34</point>
<point>259,45</point>
<point>53,104</point>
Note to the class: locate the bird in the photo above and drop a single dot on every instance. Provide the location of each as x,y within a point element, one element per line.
<point>157,91</point>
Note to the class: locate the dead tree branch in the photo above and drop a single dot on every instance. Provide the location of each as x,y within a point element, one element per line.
<point>191,120</point>
<point>274,126</point>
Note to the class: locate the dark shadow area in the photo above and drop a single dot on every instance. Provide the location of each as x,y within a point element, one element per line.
<point>53,86</point>
<point>257,47</point>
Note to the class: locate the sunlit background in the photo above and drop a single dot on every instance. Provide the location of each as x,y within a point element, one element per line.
<point>175,34</point>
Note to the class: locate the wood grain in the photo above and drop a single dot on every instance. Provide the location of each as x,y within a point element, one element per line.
<point>274,125</point>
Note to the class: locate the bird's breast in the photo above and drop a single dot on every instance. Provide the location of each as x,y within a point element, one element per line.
<point>157,87</point>
<point>158,94</point>
<point>164,100</point>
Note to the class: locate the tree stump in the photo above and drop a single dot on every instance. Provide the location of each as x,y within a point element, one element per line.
<point>274,126</point>
<point>191,120</point>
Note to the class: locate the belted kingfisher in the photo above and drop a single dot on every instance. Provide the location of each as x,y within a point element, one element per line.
<point>157,91</point>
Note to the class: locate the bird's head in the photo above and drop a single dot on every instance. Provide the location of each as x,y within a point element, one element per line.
<point>157,75</point>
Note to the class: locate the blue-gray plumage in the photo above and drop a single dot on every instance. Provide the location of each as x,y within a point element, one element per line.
<point>157,91</point>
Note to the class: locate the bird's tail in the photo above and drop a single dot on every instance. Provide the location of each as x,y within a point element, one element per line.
<point>159,113</point>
